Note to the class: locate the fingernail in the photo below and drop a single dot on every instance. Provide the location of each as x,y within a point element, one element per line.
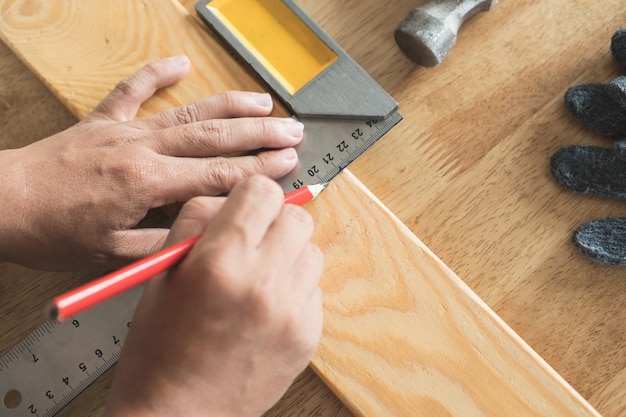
<point>181,60</point>
<point>288,154</point>
<point>262,99</point>
<point>294,128</point>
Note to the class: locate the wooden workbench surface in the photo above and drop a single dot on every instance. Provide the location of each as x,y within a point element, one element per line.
<point>467,172</point>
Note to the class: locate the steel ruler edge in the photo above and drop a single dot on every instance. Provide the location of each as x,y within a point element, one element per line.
<point>57,361</point>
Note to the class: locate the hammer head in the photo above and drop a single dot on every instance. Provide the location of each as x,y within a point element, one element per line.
<point>429,32</point>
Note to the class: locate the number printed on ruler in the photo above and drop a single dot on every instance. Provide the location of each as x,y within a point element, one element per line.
<point>330,145</point>
<point>57,361</point>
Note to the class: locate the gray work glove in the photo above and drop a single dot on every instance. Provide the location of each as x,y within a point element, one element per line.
<point>596,170</point>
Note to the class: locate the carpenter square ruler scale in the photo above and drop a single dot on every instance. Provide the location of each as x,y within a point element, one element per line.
<point>344,112</point>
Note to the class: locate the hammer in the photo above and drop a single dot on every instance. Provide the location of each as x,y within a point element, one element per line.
<point>428,33</point>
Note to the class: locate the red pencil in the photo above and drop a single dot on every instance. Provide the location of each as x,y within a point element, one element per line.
<point>108,286</point>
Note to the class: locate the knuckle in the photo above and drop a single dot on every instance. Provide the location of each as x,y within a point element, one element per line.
<point>150,71</point>
<point>142,168</point>
<point>224,174</point>
<point>186,114</point>
<point>215,134</point>
<point>219,265</point>
<point>130,174</point>
<point>265,127</point>
<point>128,86</point>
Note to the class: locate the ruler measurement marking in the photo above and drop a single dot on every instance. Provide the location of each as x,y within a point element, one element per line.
<point>72,356</point>
<point>322,165</point>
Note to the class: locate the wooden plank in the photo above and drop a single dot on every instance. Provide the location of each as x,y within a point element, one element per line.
<point>468,170</point>
<point>424,341</point>
<point>403,335</point>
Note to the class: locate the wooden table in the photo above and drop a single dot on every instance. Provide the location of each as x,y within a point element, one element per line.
<point>467,172</point>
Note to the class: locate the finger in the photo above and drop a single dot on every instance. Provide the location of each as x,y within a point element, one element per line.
<point>134,244</point>
<point>288,236</point>
<point>220,136</point>
<point>248,212</point>
<point>183,178</point>
<point>123,102</point>
<point>194,218</point>
<point>220,106</point>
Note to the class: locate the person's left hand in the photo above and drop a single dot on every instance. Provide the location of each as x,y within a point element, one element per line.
<point>73,200</point>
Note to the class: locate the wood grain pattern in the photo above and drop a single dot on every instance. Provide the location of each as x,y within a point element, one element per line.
<point>463,123</point>
<point>468,170</point>
<point>480,133</point>
<point>404,336</point>
<point>127,40</point>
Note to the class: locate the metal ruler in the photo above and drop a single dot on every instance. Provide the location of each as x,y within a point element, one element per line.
<point>56,362</point>
<point>344,111</point>
<point>329,145</point>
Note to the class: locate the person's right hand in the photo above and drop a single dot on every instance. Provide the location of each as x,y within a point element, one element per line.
<point>227,331</point>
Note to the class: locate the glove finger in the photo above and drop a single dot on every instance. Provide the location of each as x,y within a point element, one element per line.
<point>594,107</point>
<point>603,240</point>
<point>590,170</point>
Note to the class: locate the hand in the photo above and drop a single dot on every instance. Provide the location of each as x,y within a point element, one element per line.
<point>74,198</point>
<point>227,331</point>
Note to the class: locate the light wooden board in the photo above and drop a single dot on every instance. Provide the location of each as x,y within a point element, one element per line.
<point>469,172</point>
<point>435,348</point>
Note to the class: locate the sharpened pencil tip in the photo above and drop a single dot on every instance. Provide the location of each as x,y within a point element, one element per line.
<point>316,189</point>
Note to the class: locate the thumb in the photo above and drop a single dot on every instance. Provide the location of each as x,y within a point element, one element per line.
<point>193,219</point>
<point>123,103</point>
